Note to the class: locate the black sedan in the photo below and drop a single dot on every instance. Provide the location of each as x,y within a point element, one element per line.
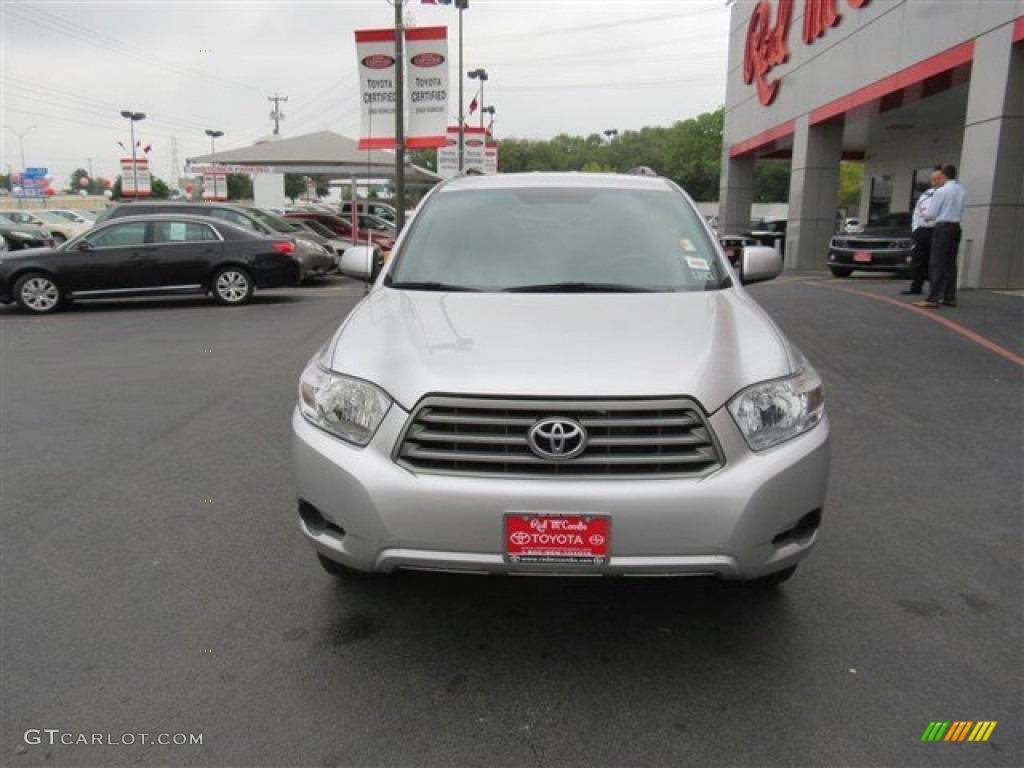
<point>885,245</point>
<point>148,256</point>
<point>19,236</point>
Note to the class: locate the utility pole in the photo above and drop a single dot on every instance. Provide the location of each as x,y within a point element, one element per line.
<point>175,173</point>
<point>89,161</point>
<point>399,119</point>
<point>276,115</point>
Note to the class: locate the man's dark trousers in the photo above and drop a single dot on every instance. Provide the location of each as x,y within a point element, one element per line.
<point>942,275</point>
<point>922,257</point>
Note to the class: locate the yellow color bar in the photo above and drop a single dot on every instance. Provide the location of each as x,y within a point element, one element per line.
<point>988,731</point>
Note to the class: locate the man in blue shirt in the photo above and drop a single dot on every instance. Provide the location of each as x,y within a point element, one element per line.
<point>922,229</point>
<point>946,210</point>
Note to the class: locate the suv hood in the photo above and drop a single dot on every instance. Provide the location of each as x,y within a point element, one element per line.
<point>705,345</point>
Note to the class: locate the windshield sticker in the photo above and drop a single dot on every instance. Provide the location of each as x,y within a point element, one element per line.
<point>687,245</point>
<point>707,277</point>
<point>695,263</point>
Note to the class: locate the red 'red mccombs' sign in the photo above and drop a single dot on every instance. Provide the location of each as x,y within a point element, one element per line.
<point>767,43</point>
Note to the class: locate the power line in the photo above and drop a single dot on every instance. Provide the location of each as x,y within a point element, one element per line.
<point>37,16</point>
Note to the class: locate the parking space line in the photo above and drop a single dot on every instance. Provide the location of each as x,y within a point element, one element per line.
<point>934,316</point>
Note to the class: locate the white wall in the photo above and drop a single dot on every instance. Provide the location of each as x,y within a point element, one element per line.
<point>268,190</point>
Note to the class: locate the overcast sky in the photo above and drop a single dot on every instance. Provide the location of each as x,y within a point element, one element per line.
<point>554,66</point>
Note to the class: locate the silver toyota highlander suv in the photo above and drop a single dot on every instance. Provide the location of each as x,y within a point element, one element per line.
<point>561,374</point>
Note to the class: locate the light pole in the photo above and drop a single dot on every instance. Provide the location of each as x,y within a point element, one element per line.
<point>490,111</point>
<point>461,5</point>
<point>21,141</point>
<point>481,75</point>
<point>133,118</point>
<point>214,135</point>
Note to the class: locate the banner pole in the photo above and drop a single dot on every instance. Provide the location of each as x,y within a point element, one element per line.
<point>399,119</point>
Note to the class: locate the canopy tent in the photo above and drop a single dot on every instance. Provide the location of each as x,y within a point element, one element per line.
<point>324,154</point>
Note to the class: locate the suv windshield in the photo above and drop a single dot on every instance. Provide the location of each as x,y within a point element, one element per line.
<point>555,239</point>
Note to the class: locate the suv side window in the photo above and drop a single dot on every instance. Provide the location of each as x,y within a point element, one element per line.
<point>235,218</point>
<point>129,233</point>
<point>182,232</point>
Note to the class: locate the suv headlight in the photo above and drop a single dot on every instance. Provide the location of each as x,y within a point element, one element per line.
<point>348,408</point>
<point>775,411</point>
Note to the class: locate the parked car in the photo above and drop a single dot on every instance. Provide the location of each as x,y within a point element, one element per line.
<point>146,256</point>
<point>61,228</point>
<point>852,226</point>
<point>75,217</point>
<point>558,374</point>
<point>20,236</point>
<point>734,245</point>
<point>315,260</point>
<point>770,232</point>
<point>338,244</point>
<point>884,246</point>
<point>342,227</point>
<point>371,207</point>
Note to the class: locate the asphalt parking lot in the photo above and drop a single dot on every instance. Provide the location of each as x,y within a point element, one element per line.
<point>154,580</point>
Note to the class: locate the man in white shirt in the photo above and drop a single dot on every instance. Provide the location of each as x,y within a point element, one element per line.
<point>946,209</point>
<point>922,229</point>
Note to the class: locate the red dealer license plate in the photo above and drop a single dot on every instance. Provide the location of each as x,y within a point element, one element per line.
<point>552,538</point>
<point>862,257</point>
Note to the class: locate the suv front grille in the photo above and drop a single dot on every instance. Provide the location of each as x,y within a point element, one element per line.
<point>483,436</point>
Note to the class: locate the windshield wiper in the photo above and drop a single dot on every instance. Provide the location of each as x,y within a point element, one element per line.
<point>577,288</point>
<point>429,285</point>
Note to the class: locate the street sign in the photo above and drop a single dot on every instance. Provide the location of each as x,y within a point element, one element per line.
<point>35,172</point>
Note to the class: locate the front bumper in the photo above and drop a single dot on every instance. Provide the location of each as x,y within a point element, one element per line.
<point>887,260</point>
<point>364,511</point>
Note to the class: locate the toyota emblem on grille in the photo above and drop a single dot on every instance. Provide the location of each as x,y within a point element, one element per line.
<point>557,438</point>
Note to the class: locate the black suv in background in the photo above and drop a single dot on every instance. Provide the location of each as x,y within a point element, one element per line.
<point>885,245</point>
<point>315,259</point>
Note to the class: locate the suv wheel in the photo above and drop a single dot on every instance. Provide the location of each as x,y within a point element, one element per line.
<point>37,293</point>
<point>232,286</point>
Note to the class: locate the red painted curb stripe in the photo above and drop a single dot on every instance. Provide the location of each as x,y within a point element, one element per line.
<point>933,314</point>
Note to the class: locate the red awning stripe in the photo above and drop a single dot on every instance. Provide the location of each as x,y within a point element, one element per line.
<point>916,73</point>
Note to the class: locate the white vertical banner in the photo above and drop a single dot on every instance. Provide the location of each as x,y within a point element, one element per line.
<point>448,155</point>
<point>215,184</point>
<point>474,142</point>
<point>426,54</point>
<point>491,158</point>
<point>132,169</point>
<point>375,52</point>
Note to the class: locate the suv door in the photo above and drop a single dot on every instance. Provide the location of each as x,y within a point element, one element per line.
<point>182,254</point>
<point>108,259</point>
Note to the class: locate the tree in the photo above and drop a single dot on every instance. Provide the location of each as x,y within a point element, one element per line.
<point>239,186</point>
<point>294,186</point>
<point>771,181</point>
<point>75,183</point>
<point>851,179</point>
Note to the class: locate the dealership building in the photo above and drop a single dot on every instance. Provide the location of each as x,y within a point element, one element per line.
<point>900,85</point>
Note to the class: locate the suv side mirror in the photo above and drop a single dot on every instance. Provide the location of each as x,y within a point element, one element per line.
<point>84,245</point>
<point>360,262</point>
<point>759,263</point>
